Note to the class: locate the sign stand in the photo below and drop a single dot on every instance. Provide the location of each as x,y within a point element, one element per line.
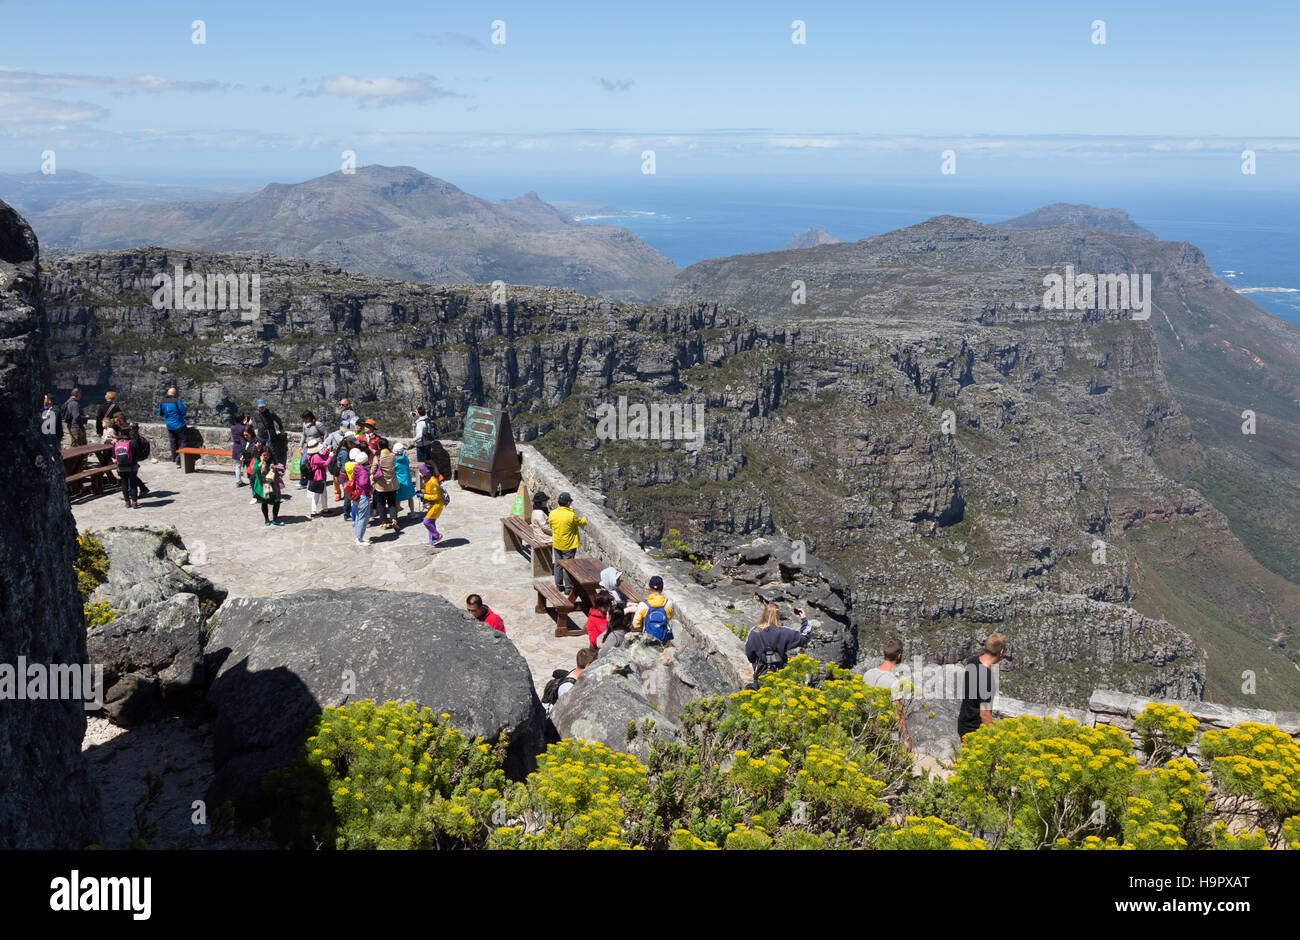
<point>488,460</point>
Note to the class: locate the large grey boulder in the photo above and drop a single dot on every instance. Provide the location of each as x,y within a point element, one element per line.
<point>277,661</point>
<point>47,799</point>
<point>148,564</point>
<point>677,676</point>
<point>607,698</point>
<point>150,654</point>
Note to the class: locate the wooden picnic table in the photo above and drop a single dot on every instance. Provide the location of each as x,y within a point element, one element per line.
<point>75,473</point>
<point>585,574</point>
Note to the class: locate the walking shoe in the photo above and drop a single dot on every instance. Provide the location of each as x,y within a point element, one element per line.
<point>276,522</point>
<point>267,522</point>
<point>135,504</point>
<point>252,501</point>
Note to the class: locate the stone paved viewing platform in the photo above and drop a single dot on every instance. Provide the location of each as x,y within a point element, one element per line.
<point>229,544</point>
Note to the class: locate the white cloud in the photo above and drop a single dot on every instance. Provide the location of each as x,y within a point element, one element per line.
<point>382,92</point>
<point>28,109</point>
<point>14,79</point>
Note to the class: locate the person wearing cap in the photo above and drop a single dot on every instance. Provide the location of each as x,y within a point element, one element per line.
<point>373,443</point>
<point>402,467</point>
<point>271,430</point>
<point>431,493</point>
<point>564,524</point>
<point>654,614</point>
<point>347,416</point>
<point>359,474</point>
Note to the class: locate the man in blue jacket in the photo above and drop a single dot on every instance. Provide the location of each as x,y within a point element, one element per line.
<point>172,411</point>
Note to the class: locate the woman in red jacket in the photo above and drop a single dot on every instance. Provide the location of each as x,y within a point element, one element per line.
<point>598,618</point>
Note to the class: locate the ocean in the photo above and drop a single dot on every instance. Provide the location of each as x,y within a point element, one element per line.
<point>1251,238</point>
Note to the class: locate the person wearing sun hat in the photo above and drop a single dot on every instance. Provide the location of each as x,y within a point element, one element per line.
<point>316,466</point>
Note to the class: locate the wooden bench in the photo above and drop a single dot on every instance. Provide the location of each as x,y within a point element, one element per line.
<point>191,455</point>
<point>97,476</point>
<point>548,595</point>
<point>516,533</point>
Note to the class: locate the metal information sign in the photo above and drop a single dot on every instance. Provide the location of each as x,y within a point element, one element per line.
<point>488,460</point>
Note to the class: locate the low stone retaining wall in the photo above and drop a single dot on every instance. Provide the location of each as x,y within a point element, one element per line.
<point>697,620</point>
<point>1119,709</point>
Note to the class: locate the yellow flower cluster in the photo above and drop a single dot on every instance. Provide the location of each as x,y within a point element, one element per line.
<point>1258,761</point>
<point>579,790</point>
<point>928,832</point>
<point>1161,721</point>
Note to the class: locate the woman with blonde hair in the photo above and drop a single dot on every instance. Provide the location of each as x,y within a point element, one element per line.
<point>769,644</point>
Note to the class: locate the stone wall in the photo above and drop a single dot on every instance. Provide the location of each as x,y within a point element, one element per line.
<point>697,620</point>
<point>1120,709</point>
<point>46,796</point>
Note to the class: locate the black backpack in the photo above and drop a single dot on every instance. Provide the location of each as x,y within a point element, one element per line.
<point>551,694</point>
<point>141,445</point>
<point>769,658</point>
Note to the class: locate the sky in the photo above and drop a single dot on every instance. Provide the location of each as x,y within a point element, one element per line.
<point>278,90</point>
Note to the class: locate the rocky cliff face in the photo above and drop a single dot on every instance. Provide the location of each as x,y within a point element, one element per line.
<point>965,459</point>
<point>46,798</point>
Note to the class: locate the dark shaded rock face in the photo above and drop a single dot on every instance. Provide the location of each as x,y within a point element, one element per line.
<point>151,654</point>
<point>46,797</point>
<point>776,570</point>
<point>148,564</point>
<point>279,660</point>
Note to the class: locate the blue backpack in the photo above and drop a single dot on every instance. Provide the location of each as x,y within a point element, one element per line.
<point>656,624</point>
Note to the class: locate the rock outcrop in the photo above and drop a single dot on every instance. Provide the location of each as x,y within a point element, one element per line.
<point>148,564</point>
<point>277,661</point>
<point>150,655</point>
<point>776,570</point>
<point>47,799</point>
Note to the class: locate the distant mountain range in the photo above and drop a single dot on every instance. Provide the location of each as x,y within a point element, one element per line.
<point>387,221</point>
<point>1115,221</point>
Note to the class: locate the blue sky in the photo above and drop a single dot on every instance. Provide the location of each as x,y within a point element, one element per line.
<point>279,89</point>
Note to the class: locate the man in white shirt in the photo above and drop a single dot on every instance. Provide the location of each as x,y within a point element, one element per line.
<point>884,676</point>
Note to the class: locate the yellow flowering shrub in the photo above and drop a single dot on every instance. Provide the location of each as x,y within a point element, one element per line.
<point>1165,730</point>
<point>1254,840</point>
<point>576,799</point>
<point>927,833</point>
<point>90,564</point>
<point>1168,807</point>
<point>99,613</point>
<point>1031,781</point>
<point>1291,833</point>
<point>389,776</point>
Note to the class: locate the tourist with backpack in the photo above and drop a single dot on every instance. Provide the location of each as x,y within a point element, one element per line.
<point>172,411</point>
<point>562,680</point>
<point>435,498</point>
<point>316,465</point>
<point>128,470</point>
<point>270,429</point>
<point>654,614</point>
<point>424,436</point>
<point>769,644</point>
<point>75,418</point>
<point>358,489</point>
<point>52,423</point>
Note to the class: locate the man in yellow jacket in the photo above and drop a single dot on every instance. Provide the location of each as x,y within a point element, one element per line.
<point>564,524</point>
